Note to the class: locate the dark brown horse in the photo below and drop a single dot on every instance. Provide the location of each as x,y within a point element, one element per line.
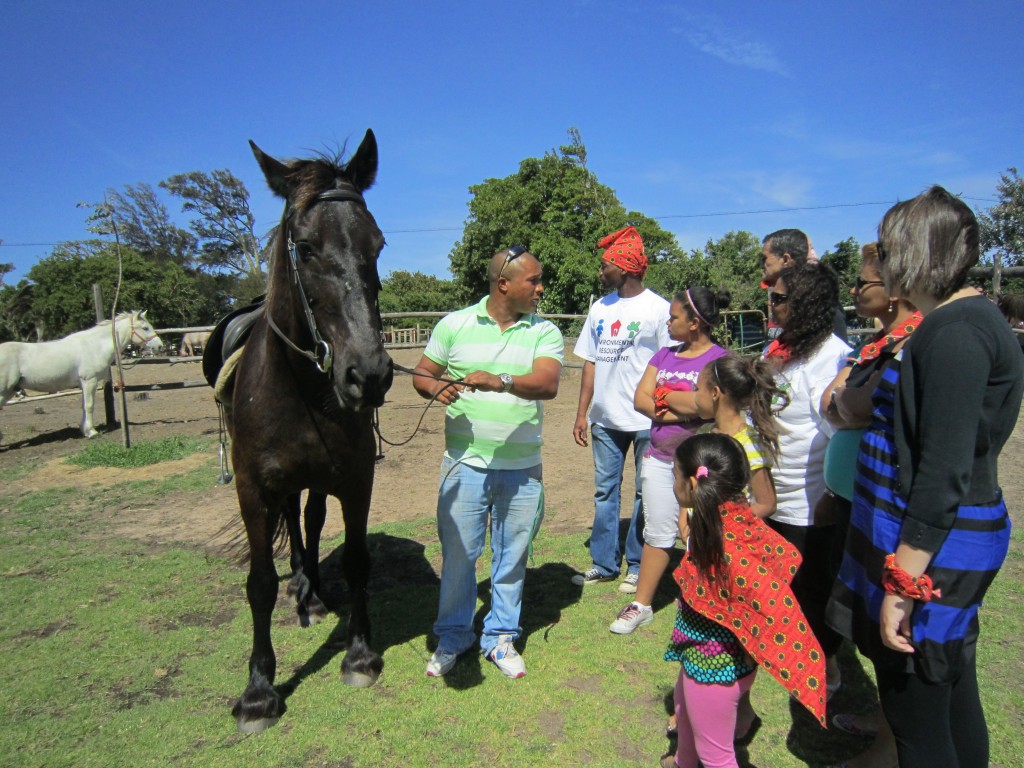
<point>312,370</point>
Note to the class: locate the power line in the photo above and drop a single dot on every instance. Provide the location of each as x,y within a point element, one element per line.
<point>656,218</point>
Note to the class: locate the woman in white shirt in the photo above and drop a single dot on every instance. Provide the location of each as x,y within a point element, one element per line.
<point>807,356</point>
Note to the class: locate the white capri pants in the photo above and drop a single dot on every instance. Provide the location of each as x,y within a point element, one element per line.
<point>661,510</point>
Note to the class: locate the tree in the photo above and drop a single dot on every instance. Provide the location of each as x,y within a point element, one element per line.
<point>1002,226</point>
<point>555,206</point>
<point>144,225</point>
<point>845,260</point>
<point>16,320</point>
<point>222,221</point>
<point>61,292</point>
<point>403,291</point>
<point>732,262</point>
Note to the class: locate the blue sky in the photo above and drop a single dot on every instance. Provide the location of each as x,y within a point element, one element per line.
<point>686,112</point>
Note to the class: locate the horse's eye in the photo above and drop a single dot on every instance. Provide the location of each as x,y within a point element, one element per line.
<point>305,251</point>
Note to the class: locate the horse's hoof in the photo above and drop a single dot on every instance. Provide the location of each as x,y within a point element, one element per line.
<point>91,434</point>
<point>249,727</point>
<point>259,708</point>
<point>359,679</point>
<point>316,609</point>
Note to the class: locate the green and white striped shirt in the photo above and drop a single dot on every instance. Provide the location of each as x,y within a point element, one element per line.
<point>495,430</point>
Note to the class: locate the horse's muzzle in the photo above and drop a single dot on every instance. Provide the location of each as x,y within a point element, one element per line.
<point>364,386</point>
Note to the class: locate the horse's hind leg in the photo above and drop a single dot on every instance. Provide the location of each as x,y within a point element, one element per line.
<point>260,705</point>
<point>304,585</point>
<point>362,665</point>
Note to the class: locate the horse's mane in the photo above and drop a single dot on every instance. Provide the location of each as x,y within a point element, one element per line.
<point>312,176</point>
<point>308,177</point>
<point>120,316</point>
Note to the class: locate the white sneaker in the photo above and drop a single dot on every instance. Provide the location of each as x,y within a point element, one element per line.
<point>631,617</point>
<point>507,658</point>
<point>628,585</point>
<point>441,663</point>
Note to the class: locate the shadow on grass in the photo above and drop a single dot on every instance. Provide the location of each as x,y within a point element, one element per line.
<point>808,741</point>
<point>548,590</point>
<point>403,598</point>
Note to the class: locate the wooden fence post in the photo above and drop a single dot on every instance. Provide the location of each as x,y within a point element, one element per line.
<point>108,388</point>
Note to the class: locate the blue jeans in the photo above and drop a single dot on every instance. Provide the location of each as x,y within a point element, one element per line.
<point>512,501</point>
<point>610,449</point>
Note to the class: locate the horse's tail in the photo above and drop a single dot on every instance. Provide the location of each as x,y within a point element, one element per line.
<point>232,541</point>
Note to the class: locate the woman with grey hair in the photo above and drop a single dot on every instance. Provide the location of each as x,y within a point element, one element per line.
<point>929,528</point>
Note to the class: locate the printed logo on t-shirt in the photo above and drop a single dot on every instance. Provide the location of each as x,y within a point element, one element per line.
<point>679,381</point>
<point>616,350</point>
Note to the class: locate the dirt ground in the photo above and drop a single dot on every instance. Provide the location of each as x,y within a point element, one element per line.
<point>42,433</point>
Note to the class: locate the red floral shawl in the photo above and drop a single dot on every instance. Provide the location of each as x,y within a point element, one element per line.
<point>755,603</point>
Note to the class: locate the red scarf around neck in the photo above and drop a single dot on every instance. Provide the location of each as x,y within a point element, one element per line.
<point>874,348</point>
<point>778,350</point>
<point>753,600</point>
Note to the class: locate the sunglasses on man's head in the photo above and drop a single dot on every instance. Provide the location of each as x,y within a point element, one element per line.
<point>777,298</point>
<point>513,253</point>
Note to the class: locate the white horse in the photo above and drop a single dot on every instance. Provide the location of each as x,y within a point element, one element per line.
<point>82,359</point>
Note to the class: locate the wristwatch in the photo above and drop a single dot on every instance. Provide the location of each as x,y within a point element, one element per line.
<point>506,381</point>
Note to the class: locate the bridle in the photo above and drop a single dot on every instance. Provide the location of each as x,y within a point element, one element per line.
<point>322,355</point>
<point>143,340</point>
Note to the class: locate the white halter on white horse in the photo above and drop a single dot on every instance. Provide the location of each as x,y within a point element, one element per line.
<point>82,359</point>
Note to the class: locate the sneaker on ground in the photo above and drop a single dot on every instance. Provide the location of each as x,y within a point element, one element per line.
<point>592,576</point>
<point>440,663</point>
<point>507,658</point>
<point>628,585</point>
<point>631,617</point>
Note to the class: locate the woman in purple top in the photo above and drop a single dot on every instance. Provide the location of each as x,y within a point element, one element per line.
<point>665,395</point>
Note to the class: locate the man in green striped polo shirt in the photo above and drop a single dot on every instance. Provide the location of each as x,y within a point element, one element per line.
<point>507,360</point>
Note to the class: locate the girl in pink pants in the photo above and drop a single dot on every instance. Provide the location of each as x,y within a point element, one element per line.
<point>736,609</point>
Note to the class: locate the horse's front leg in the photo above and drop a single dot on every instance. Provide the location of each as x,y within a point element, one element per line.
<point>304,585</point>
<point>260,705</point>
<point>362,665</point>
<point>88,400</point>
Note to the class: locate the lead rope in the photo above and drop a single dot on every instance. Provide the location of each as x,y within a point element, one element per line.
<point>376,411</point>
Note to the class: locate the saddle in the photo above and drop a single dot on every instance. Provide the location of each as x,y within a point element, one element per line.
<point>226,342</point>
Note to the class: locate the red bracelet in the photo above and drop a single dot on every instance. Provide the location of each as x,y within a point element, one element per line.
<point>896,581</point>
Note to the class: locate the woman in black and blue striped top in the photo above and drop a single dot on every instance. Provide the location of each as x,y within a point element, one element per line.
<point>930,530</point>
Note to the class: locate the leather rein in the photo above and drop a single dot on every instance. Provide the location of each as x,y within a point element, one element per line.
<point>322,355</point>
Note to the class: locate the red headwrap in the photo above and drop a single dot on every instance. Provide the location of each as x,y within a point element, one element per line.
<point>625,250</point>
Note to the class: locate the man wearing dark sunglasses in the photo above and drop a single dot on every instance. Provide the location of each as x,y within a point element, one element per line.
<point>620,336</point>
<point>506,360</point>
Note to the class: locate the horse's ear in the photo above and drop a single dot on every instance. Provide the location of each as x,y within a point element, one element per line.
<point>362,168</point>
<point>274,171</point>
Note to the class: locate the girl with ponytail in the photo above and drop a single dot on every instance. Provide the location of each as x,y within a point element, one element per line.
<point>741,396</point>
<point>736,610</point>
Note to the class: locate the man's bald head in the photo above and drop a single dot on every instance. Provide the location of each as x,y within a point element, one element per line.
<point>509,262</point>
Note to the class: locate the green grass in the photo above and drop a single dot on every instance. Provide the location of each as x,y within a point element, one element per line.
<point>109,454</point>
<point>119,653</point>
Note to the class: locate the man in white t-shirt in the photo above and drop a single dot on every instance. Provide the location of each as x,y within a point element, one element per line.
<point>622,332</point>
